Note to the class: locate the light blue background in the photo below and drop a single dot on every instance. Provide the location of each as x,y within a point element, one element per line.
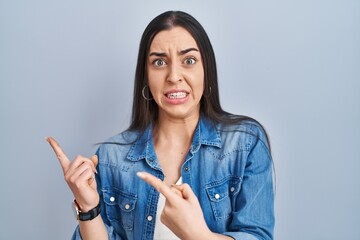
<point>67,70</point>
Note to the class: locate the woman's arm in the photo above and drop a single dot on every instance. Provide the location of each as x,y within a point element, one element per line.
<point>253,217</point>
<point>80,176</point>
<point>93,229</point>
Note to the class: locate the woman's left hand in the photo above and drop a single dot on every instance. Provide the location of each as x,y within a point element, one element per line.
<point>182,212</point>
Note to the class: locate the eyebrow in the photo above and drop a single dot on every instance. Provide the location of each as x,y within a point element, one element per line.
<point>182,52</point>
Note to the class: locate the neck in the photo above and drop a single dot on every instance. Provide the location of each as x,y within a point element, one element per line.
<point>175,132</point>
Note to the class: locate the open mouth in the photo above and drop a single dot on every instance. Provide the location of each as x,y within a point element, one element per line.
<point>176,95</point>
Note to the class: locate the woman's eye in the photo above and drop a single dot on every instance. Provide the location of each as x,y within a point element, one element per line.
<point>159,62</point>
<point>190,61</point>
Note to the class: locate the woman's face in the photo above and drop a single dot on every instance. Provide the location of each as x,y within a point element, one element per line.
<point>176,74</point>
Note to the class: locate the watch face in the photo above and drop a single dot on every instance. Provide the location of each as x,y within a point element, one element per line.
<point>75,210</point>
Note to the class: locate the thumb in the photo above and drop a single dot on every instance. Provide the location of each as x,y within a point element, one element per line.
<point>175,190</point>
<point>186,191</point>
<point>95,160</point>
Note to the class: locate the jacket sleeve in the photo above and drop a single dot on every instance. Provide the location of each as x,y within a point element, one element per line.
<point>111,233</point>
<point>253,216</point>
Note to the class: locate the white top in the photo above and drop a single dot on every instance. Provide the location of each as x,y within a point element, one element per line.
<point>161,231</point>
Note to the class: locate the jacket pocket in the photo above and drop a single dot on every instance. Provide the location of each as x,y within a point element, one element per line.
<point>120,206</point>
<point>222,195</point>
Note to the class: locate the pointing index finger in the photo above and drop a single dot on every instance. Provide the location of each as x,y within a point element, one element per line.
<point>60,154</point>
<point>158,185</point>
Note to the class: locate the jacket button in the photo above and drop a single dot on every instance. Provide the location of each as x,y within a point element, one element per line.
<point>127,206</point>
<point>186,169</point>
<point>217,196</point>
<point>232,189</point>
<point>112,199</point>
<point>149,218</point>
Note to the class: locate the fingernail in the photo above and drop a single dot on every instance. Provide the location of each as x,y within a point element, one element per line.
<point>140,175</point>
<point>46,138</point>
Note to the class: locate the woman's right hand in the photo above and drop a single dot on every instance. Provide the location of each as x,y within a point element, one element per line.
<point>80,176</point>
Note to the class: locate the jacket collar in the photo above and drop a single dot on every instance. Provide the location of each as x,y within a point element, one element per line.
<point>205,134</point>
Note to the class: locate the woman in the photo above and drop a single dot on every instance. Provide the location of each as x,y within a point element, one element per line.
<point>213,169</point>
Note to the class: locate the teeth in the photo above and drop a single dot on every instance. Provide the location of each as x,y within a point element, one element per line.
<point>176,95</point>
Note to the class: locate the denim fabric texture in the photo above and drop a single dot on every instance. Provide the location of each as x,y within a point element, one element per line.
<point>228,167</point>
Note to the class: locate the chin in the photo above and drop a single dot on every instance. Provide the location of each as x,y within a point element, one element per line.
<point>182,115</point>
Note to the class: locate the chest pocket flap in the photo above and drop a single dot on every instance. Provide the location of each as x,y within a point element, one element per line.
<point>222,195</point>
<point>120,206</point>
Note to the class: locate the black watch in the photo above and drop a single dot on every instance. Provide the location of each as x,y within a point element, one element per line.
<point>86,216</point>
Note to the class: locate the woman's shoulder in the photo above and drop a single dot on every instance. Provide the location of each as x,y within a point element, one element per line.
<point>119,143</point>
<point>124,138</point>
<point>244,126</point>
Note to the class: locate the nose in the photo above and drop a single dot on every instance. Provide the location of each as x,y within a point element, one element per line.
<point>174,74</point>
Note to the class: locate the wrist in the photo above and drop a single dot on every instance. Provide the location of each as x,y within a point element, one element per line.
<point>85,206</point>
<point>86,215</point>
<point>203,234</point>
<point>217,236</point>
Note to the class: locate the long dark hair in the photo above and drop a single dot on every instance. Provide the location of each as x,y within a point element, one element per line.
<point>146,111</point>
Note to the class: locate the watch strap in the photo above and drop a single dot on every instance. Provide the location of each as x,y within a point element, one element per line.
<point>87,216</point>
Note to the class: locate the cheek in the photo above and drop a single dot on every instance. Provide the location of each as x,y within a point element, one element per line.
<point>200,90</point>
<point>153,81</point>
<point>150,76</point>
<point>200,82</point>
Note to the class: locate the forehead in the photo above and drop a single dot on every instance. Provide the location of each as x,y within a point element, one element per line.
<point>177,37</point>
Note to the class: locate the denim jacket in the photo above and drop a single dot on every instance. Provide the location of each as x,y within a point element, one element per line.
<point>229,168</point>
